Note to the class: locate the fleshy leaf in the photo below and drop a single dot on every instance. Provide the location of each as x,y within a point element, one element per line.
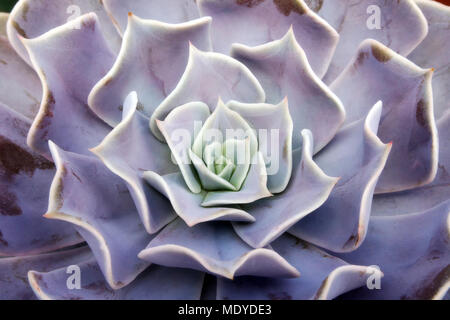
<point>178,130</point>
<point>283,70</point>
<point>142,65</point>
<point>85,193</point>
<point>214,248</point>
<point>357,156</point>
<point>378,73</point>
<point>432,52</point>
<point>187,204</point>
<point>155,283</point>
<point>323,276</point>
<point>268,20</point>
<point>254,187</point>
<point>397,24</point>
<point>412,251</point>
<point>426,197</point>
<point>130,149</point>
<point>175,11</point>
<point>274,126</point>
<point>31,19</point>
<point>13,280</point>
<point>20,87</point>
<point>208,77</point>
<point>25,179</point>
<point>64,116</point>
<point>308,189</point>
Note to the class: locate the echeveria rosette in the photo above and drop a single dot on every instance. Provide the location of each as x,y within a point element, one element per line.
<point>104,126</point>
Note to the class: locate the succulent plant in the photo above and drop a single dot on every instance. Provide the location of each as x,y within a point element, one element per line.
<point>224,149</point>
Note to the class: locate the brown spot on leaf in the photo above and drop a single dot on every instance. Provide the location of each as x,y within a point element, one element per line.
<point>380,53</point>
<point>8,203</point>
<point>19,29</point>
<point>361,57</point>
<point>76,176</point>
<point>287,6</point>
<point>420,113</point>
<point>3,62</point>
<point>14,159</point>
<point>249,3</point>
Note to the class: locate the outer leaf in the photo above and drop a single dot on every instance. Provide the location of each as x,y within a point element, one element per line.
<point>283,70</point>
<point>432,52</point>
<point>209,76</point>
<point>308,189</point>
<point>172,11</point>
<point>426,197</point>
<point>25,179</point>
<point>268,20</point>
<point>155,283</point>
<point>13,271</point>
<point>216,249</point>
<point>130,149</point>
<point>412,251</point>
<point>323,276</point>
<point>358,157</point>
<point>30,19</point>
<point>378,73</point>
<point>64,116</point>
<point>142,65</point>
<point>20,87</point>
<point>397,24</point>
<point>97,202</point>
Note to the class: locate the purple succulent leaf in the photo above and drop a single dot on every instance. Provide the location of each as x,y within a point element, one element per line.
<point>308,189</point>
<point>269,20</point>
<point>208,76</point>
<point>402,26</point>
<point>253,188</point>
<point>378,73</point>
<point>269,117</point>
<point>187,204</point>
<point>20,87</point>
<point>142,65</point>
<point>172,11</point>
<point>426,197</point>
<point>432,52</point>
<point>14,270</point>
<point>25,179</point>
<point>322,276</point>
<point>283,70</point>
<point>155,283</point>
<point>178,124</point>
<point>64,116</point>
<point>85,193</point>
<point>130,149</point>
<point>411,250</point>
<point>357,156</point>
<point>216,249</point>
<point>31,19</point>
